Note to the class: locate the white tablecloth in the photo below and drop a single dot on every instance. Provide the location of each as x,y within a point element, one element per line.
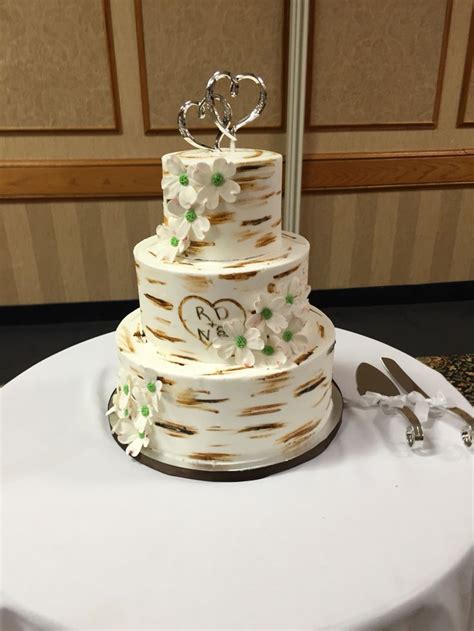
<point>369,535</point>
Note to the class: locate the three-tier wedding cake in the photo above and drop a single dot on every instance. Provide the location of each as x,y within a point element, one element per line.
<point>225,366</point>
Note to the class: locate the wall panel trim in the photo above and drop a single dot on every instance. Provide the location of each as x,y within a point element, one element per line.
<point>109,32</point>
<point>117,126</point>
<point>149,130</point>
<point>466,79</point>
<point>80,179</point>
<point>142,67</point>
<point>387,170</point>
<point>129,178</point>
<point>432,124</point>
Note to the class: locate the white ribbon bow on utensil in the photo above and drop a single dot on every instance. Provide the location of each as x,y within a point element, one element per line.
<point>414,400</point>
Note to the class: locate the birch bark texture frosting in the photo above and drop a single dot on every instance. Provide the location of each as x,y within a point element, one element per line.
<point>225,324</point>
<point>250,225</point>
<point>183,302</point>
<point>232,415</point>
<point>225,364</point>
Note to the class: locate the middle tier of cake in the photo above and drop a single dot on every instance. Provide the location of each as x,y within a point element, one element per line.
<point>183,303</point>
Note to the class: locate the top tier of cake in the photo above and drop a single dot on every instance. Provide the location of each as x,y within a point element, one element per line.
<point>250,226</point>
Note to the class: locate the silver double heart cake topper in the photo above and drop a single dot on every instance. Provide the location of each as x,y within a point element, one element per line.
<point>219,109</point>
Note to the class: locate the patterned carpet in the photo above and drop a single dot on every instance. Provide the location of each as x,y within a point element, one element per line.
<point>457,369</point>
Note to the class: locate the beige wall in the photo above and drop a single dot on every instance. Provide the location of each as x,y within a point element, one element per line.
<point>389,237</point>
<point>393,76</point>
<point>81,251</point>
<point>58,71</point>
<point>133,142</point>
<point>72,251</point>
<point>380,70</point>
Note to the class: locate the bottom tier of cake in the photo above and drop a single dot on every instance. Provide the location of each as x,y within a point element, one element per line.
<point>232,418</point>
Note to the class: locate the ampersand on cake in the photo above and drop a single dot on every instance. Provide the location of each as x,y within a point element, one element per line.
<point>226,368</point>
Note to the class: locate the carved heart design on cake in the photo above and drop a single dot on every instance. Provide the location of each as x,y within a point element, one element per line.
<point>203,319</point>
<point>202,108</point>
<point>227,129</point>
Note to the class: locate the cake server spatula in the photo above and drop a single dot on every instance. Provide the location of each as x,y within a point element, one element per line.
<point>371,379</point>
<point>407,383</point>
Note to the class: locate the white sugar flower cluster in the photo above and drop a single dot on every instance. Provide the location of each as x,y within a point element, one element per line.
<point>136,404</point>
<point>189,191</point>
<point>273,333</point>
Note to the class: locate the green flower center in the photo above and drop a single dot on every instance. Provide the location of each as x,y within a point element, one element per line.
<point>126,389</point>
<point>183,179</point>
<point>217,179</point>
<point>266,313</point>
<point>287,335</point>
<point>145,410</point>
<point>174,241</point>
<point>240,341</point>
<point>289,299</point>
<point>191,216</point>
<point>268,350</point>
<point>141,435</point>
<point>151,387</point>
<point>125,412</point>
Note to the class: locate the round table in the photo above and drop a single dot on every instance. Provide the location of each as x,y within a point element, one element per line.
<point>370,535</point>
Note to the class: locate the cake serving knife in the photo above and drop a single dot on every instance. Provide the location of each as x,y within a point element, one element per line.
<point>371,379</point>
<point>407,383</point>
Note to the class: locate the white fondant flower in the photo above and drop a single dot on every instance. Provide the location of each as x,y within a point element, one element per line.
<point>122,413</point>
<point>125,386</point>
<point>178,183</point>
<point>135,437</point>
<point>188,220</point>
<point>148,390</point>
<point>215,182</point>
<point>270,313</point>
<point>239,343</point>
<point>291,340</point>
<point>136,403</point>
<point>295,293</point>
<point>146,408</point>
<point>123,403</point>
<point>169,243</point>
<point>272,354</point>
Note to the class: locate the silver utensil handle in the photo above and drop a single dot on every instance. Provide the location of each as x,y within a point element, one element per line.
<point>464,415</point>
<point>415,423</point>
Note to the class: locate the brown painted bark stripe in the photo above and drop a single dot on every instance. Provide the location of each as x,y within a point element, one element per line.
<point>220,218</point>
<point>304,356</point>
<point>206,456</point>
<point>262,427</point>
<point>262,409</point>
<point>287,272</point>
<point>247,234</point>
<point>154,281</point>
<point>307,428</point>
<point>255,222</point>
<point>266,239</point>
<point>308,386</point>
<point>162,335</point>
<point>159,302</point>
<point>239,275</point>
<point>179,428</point>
